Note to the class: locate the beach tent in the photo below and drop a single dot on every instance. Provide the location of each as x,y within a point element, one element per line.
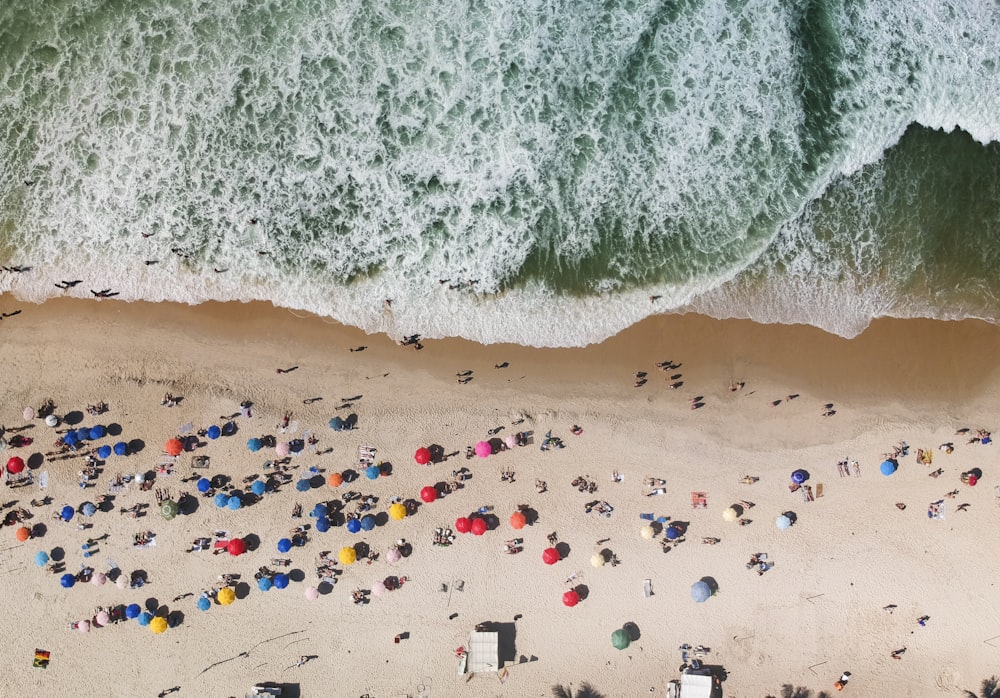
<point>517,521</point>
<point>213,432</point>
<point>397,512</point>
<point>482,653</point>
<point>422,456</point>
<point>483,449</point>
<point>258,488</point>
<point>104,452</point>
<point>428,494</point>
<point>254,445</point>
<point>700,591</point>
<point>888,467</point>
<point>620,639</point>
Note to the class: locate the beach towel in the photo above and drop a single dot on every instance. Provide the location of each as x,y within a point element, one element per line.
<point>41,659</point>
<point>647,588</point>
<point>43,480</point>
<point>646,517</point>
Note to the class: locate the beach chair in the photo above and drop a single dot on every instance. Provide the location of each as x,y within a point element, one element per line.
<point>699,500</point>
<point>647,588</point>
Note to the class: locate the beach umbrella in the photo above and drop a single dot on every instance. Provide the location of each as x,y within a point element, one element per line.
<point>463,524</point>
<point>158,625</point>
<point>973,480</point>
<point>236,547</point>
<point>353,526</point>
<point>347,555</point>
<point>372,472</point>
<point>97,432</point>
<point>264,583</point>
<point>234,503</point>
<point>700,591</point>
<point>169,509</point>
<point>140,478</point>
<point>483,449</point>
<point>69,438</point>
<point>510,441</point>
<point>121,449</point>
<point>102,618</point>
<point>799,476</point>
<point>312,593</point>
<point>887,468</point>
<point>478,526</point>
<point>337,424</point>
<point>88,509</point>
<point>15,465</point>
<point>428,494</point>
<point>378,588</point>
<point>422,456</point>
<point>323,524</point>
<point>22,534</point>
<point>51,421</point>
<point>28,414</point>
<point>174,447</point>
<point>280,580</point>
<point>782,522</point>
<point>213,432</point>
<point>620,639</point>
<point>104,452</point>
<point>221,499</point>
<point>254,445</point>
<point>551,556</point>
<point>67,513</point>
<point>597,560</point>
<point>393,555</point>
<point>303,485</point>
<point>571,598</point>
<point>673,533</point>
<point>144,618</point>
<point>284,545</point>
<point>132,611</point>
<point>282,449</point>
<point>258,488</point>
<point>647,532</point>
<point>99,579</point>
<point>319,511</point>
<point>121,582</point>
<point>82,434</point>
<point>518,521</point>
<point>367,522</point>
<point>83,626</point>
<point>204,485</point>
<point>335,480</point>
<point>226,596</point>
<point>204,604</point>
<point>41,558</point>
<point>397,512</point>
<point>730,515</point>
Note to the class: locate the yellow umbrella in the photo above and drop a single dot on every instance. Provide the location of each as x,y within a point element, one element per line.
<point>597,560</point>
<point>647,532</point>
<point>347,556</point>
<point>158,624</point>
<point>226,596</point>
<point>397,511</point>
<point>730,515</point>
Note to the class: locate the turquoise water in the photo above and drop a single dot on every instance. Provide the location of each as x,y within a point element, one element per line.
<point>508,171</point>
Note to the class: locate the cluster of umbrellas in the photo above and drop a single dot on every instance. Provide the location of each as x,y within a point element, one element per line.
<point>476,526</point>
<point>76,436</point>
<point>228,501</point>
<point>157,624</point>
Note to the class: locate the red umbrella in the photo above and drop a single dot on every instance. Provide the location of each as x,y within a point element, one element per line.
<point>428,494</point>
<point>551,556</point>
<point>422,456</point>
<point>173,447</point>
<point>463,524</point>
<point>23,534</point>
<point>972,478</point>
<point>236,547</point>
<point>478,527</point>
<point>15,465</point>
<point>517,521</point>
<point>571,598</point>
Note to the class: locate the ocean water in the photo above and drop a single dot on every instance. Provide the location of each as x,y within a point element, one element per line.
<point>528,171</point>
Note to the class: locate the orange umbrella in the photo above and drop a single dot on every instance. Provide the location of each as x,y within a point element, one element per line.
<point>23,534</point>
<point>517,520</point>
<point>173,447</point>
<point>335,480</point>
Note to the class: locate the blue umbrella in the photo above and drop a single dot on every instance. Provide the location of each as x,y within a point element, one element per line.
<point>284,545</point>
<point>319,511</point>
<point>67,513</point>
<point>280,580</point>
<point>67,581</point>
<point>323,524</point>
<point>132,611</point>
<point>782,522</point>
<point>221,500</point>
<point>888,467</point>
<point>700,591</point>
<point>258,488</point>
<point>353,525</point>
<point>204,485</point>
<point>264,584</point>
<point>88,509</point>
<point>372,472</point>
<point>82,434</point>
<point>303,485</point>
<point>97,432</point>
<point>214,432</point>
<point>337,424</point>
<point>121,449</point>
<point>204,604</point>
<point>367,522</point>
<point>70,438</point>
<point>254,445</point>
<point>799,476</point>
<point>234,503</point>
<point>41,558</point>
<point>673,532</point>
<point>104,452</point>
<point>145,618</point>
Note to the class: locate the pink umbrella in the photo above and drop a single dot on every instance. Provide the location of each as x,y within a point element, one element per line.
<point>483,449</point>
<point>83,626</point>
<point>312,593</point>
<point>102,618</point>
<point>393,555</point>
<point>98,579</point>
<point>510,441</point>
<point>378,588</point>
<point>282,449</point>
<point>29,414</point>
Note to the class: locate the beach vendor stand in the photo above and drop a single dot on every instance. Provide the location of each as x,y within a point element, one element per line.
<point>481,653</point>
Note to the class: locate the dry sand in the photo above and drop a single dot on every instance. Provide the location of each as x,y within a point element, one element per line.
<point>817,613</point>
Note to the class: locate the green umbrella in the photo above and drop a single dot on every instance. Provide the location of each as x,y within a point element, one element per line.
<point>620,639</point>
<point>169,509</point>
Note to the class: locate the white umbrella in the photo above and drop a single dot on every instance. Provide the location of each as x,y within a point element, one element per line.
<point>597,560</point>
<point>647,532</point>
<point>121,582</point>
<point>51,421</point>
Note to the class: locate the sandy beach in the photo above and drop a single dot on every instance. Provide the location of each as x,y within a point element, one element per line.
<point>845,586</point>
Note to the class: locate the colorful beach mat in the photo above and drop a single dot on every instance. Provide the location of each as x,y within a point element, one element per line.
<point>41,659</point>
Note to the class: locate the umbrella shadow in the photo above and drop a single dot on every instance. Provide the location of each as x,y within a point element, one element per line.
<point>35,461</point>
<point>350,475</point>
<point>108,505</point>
<point>188,505</point>
<point>175,618</point>
<point>242,590</point>
<point>492,522</point>
<point>252,541</point>
<point>57,554</point>
<point>316,481</point>
<point>73,418</point>
<point>381,519</point>
<point>152,604</point>
<point>136,446</point>
<point>297,575</point>
<point>530,516</point>
<point>324,588</point>
<point>362,549</point>
<point>39,530</point>
<point>633,631</point>
<point>114,429</point>
<point>437,453</point>
<point>351,422</point>
<point>712,584</point>
<point>564,549</point>
<point>506,639</point>
<point>412,506</point>
<point>583,590</point>
<point>230,429</point>
<point>385,469</point>
<point>791,516</point>
<point>406,549</point>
